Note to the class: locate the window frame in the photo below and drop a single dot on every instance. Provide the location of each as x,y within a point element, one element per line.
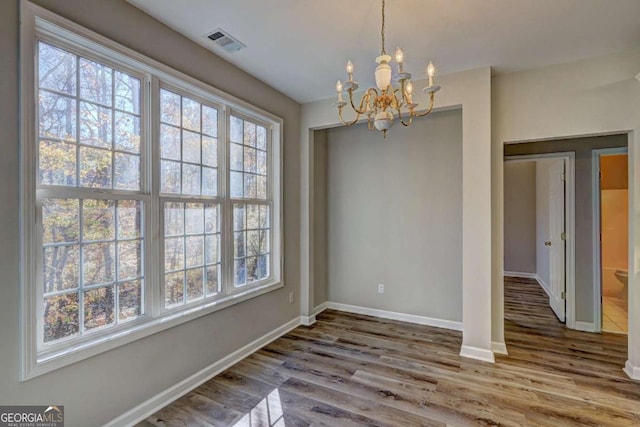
<point>41,24</point>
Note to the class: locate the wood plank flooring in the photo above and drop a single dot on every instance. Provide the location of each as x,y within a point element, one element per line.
<point>353,370</point>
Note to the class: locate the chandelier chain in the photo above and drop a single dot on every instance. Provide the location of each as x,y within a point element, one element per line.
<point>382,30</point>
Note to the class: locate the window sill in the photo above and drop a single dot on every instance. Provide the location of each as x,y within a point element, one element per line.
<point>74,353</point>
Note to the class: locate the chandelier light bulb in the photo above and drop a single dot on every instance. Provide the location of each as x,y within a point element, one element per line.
<point>339,90</point>
<point>431,71</point>
<point>399,56</point>
<point>350,67</point>
<point>409,88</point>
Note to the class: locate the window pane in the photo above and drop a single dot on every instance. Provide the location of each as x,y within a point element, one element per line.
<point>209,151</point>
<point>127,173</point>
<point>250,160</point>
<point>213,280</point>
<point>264,241</point>
<point>261,187</point>
<point>211,219</point>
<point>212,249</point>
<point>173,219</point>
<point>98,219</point>
<point>190,114</point>
<point>60,220</point>
<point>239,244</point>
<point>170,142</point>
<point>95,167</point>
<point>57,116</point>
<point>253,217</point>
<point>238,217</point>
<point>129,219</point>
<point>129,260</point>
<point>252,269</point>
<point>209,181</point>
<point>190,147</point>
<point>195,251</point>
<point>98,263</point>
<point>190,179</point>
<point>236,184</point>
<point>61,268</point>
<point>127,93</point>
<point>209,121</point>
<point>263,266</point>
<point>127,132</point>
<point>262,163</point>
<point>61,317</point>
<point>99,307</point>
<point>236,129</point>
<point>56,69</point>
<point>249,134</point>
<point>130,299</point>
<point>95,82</point>
<point>195,284</point>
<point>261,136</point>
<point>250,186</point>
<point>174,288</point>
<point>57,163</point>
<point>95,125</point>
<point>169,107</point>
<point>236,157</point>
<point>194,218</point>
<point>253,243</point>
<point>239,272</point>
<point>264,216</point>
<point>170,177</point>
<point>174,254</point>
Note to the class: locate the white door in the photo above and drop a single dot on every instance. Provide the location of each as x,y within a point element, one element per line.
<point>556,240</point>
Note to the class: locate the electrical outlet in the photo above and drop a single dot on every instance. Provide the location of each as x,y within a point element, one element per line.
<point>290,297</point>
<point>380,288</point>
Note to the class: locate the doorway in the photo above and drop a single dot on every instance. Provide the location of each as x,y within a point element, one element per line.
<point>611,217</point>
<point>539,226</point>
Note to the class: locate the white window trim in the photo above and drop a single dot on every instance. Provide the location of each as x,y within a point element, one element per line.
<point>35,21</point>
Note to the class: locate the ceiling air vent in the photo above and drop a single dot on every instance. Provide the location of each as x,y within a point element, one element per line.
<point>227,42</point>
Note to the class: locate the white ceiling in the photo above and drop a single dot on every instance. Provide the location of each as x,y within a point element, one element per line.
<point>300,47</point>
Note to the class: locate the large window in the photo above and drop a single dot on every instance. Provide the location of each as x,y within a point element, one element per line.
<point>155,198</point>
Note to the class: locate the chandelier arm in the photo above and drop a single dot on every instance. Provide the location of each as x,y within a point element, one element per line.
<point>358,110</point>
<point>348,123</point>
<point>431,102</point>
<point>399,110</point>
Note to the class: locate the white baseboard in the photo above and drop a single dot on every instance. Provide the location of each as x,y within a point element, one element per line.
<point>499,347</point>
<point>632,371</point>
<point>403,317</point>
<point>520,274</point>
<point>162,399</point>
<point>308,320</point>
<point>320,308</point>
<point>584,326</point>
<point>477,353</point>
<point>544,286</point>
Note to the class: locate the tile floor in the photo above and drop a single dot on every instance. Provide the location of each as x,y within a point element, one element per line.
<point>614,315</point>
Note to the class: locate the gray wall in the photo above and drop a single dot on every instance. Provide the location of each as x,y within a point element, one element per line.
<point>520,217</point>
<point>320,226</point>
<point>583,148</point>
<point>102,387</point>
<point>395,217</point>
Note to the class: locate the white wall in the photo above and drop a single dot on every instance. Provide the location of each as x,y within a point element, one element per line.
<point>543,266</point>
<point>101,388</point>
<point>395,217</point>
<point>588,97</point>
<point>520,217</point>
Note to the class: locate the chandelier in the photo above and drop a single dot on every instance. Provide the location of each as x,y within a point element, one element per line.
<point>382,103</point>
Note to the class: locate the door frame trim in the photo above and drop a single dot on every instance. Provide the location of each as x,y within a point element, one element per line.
<point>597,225</point>
<point>570,229</point>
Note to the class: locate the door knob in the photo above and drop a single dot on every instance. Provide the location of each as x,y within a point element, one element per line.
<point>547,243</point>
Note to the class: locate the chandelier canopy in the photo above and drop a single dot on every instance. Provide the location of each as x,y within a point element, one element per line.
<point>382,103</point>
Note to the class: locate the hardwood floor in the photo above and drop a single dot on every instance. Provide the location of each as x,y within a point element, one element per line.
<point>349,370</point>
